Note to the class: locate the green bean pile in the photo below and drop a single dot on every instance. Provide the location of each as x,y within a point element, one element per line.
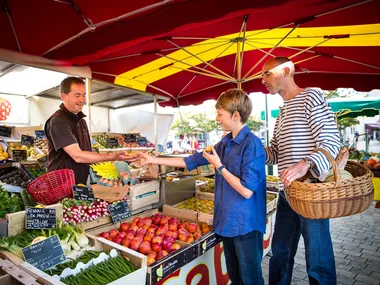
<point>103,273</point>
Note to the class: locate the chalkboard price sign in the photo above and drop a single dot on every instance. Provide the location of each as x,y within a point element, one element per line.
<point>119,211</point>
<point>40,218</point>
<point>83,193</point>
<point>130,138</point>
<point>44,254</point>
<point>40,134</point>
<point>19,155</point>
<point>112,143</point>
<point>142,141</point>
<point>27,140</point>
<point>43,162</point>
<point>5,131</point>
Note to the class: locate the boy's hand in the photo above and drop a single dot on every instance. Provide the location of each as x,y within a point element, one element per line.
<point>213,158</point>
<point>143,159</point>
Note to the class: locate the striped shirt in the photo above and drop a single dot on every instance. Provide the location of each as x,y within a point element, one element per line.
<point>305,122</point>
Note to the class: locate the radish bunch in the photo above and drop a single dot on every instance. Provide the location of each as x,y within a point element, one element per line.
<point>75,211</point>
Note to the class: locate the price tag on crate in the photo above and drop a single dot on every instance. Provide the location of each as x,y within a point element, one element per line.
<point>44,254</point>
<point>40,218</point>
<point>5,131</point>
<point>27,140</point>
<point>119,211</point>
<point>43,162</point>
<point>83,193</point>
<point>112,143</point>
<point>40,134</point>
<point>130,138</point>
<point>19,155</point>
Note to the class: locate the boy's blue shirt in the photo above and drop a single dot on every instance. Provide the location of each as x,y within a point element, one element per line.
<point>244,157</point>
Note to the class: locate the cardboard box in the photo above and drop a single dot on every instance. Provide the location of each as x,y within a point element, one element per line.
<point>207,242</point>
<point>171,263</point>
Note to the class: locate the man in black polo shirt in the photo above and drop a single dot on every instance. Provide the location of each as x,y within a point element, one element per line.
<point>68,137</point>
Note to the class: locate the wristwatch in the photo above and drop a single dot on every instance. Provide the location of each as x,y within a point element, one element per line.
<point>219,170</point>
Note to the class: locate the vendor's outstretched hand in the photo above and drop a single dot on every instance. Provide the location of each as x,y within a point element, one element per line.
<point>122,156</point>
<point>212,157</point>
<point>293,172</point>
<point>143,159</point>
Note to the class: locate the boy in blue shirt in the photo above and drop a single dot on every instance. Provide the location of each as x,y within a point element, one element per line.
<point>240,189</point>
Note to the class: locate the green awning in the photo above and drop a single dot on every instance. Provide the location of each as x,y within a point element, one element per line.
<point>349,108</point>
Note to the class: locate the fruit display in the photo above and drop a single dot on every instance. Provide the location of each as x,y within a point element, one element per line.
<point>156,236</point>
<point>32,153</point>
<point>208,186</point>
<point>17,178</point>
<point>198,205</point>
<point>42,145</point>
<point>36,172</point>
<point>271,178</point>
<point>101,141</point>
<point>3,154</point>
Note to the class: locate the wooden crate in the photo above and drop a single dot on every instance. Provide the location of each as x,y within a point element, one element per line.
<point>136,277</point>
<point>181,213</point>
<point>190,214</point>
<point>144,194</point>
<point>204,195</point>
<point>16,221</point>
<point>205,218</point>
<point>10,274</point>
<point>96,223</point>
<point>271,205</point>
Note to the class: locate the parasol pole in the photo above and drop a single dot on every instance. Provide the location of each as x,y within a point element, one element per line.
<point>238,61</point>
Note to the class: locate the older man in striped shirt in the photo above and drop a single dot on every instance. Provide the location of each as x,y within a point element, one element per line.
<point>305,122</point>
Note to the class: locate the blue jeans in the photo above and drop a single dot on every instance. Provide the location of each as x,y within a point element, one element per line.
<point>243,258</point>
<point>289,226</point>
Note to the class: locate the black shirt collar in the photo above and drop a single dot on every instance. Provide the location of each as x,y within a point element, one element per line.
<point>76,117</point>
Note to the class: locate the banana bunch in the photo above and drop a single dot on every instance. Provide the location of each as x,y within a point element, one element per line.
<point>105,169</point>
<point>271,178</point>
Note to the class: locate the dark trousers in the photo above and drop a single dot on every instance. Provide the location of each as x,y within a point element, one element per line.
<point>243,258</point>
<point>289,226</point>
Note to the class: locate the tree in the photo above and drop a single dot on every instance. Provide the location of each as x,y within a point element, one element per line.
<point>347,122</point>
<point>254,124</point>
<point>205,124</point>
<point>183,126</point>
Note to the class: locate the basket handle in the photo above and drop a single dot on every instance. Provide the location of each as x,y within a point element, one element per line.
<point>333,163</point>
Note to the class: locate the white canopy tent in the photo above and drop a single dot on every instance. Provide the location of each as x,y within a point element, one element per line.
<point>37,80</point>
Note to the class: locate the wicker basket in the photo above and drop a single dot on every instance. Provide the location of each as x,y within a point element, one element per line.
<point>333,199</point>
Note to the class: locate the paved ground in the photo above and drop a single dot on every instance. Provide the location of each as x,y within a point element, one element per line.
<point>356,242</point>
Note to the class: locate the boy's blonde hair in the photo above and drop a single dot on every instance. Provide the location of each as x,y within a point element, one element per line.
<point>234,100</point>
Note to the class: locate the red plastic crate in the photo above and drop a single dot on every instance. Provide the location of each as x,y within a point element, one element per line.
<point>52,187</point>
